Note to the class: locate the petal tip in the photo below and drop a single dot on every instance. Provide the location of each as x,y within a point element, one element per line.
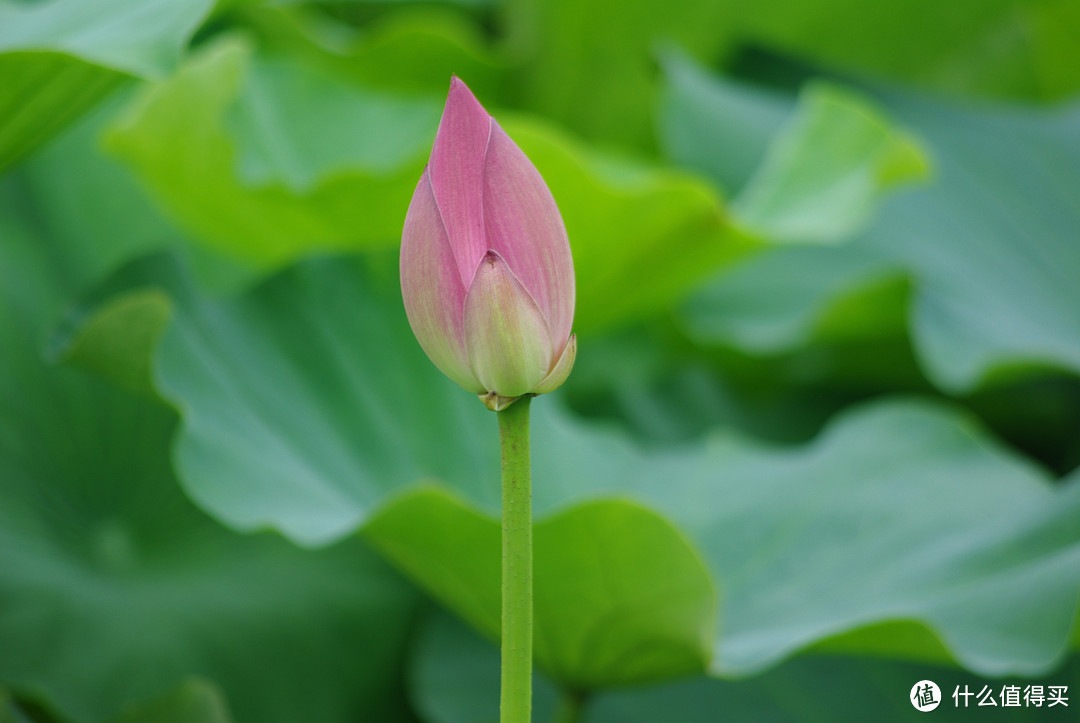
<point>459,95</point>
<point>561,370</point>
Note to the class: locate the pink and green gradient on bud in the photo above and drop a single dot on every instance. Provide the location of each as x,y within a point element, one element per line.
<point>486,272</point>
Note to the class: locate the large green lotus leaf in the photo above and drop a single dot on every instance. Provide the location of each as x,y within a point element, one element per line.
<point>138,38</point>
<point>418,50</point>
<point>871,522</point>
<point>825,174</point>
<point>975,242</point>
<point>818,179</point>
<point>809,689</point>
<point>114,586</point>
<point>293,127</point>
<point>588,63</point>
<point>176,136</point>
<point>985,47</point>
<point>621,597</point>
<point>94,234</point>
<point>717,126</point>
<point>414,49</point>
<point>97,232</point>
<point>992,245</point>
<point>789,297</point>
<point>312,387</point>
<point>42,93</point>
<point>59,57</point>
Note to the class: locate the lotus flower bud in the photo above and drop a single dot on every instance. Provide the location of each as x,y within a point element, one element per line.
<point>486,272</point>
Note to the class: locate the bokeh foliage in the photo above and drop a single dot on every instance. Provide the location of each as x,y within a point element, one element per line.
<point>821,442</point>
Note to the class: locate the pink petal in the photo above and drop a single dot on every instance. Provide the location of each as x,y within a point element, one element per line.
<point>506,336</point>
<point>432,290</point>
<point>456,167</point>
<point>524,226</point>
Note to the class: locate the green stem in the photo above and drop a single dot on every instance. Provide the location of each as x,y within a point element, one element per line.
<point>517,597</point>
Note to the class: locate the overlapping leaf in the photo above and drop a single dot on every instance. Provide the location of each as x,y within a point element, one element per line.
<point>901,512</point>
<point>983,47</point>
<point>1000,47</point>
<point>114,586</point>
<point>60,57</point>
<point>977,242</point>
<point>791,297</point>
<point>993,243</point>
<point>611,102</point>
<point>412,51</point>
<point>177,138</point>
<point>93,232</point>
<point>821,181</point>
<point>621,596</point>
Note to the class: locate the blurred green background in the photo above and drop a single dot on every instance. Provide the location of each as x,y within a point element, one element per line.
<point>821,442</point>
